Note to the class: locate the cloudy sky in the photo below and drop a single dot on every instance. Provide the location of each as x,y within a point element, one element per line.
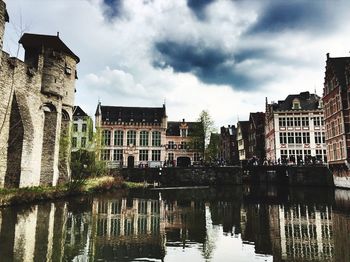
<point>224,56</point>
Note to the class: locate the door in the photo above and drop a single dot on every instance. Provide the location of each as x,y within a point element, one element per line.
<point>130,161</point>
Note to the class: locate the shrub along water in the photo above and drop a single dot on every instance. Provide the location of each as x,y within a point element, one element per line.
<point>75,187</point>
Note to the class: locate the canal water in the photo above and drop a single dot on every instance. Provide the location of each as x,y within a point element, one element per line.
<point>207,224</point>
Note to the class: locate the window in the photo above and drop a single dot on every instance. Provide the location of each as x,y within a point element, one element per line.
<point>143,138</point>
<point>289,121</point>
<point>318,137</point>
<point>171,156</point>
<point>184,145</point>
<point>118,154</point>
<point>74,142</point>
<point>317,121</point>
<point>106,137</point>
<point>143,155</point>
<point>196,157</point>
<point>155,155</point>
<point>156,138</point>
<point>298,139</point>
<point>131,138</point>
<point>183,132</point>
<point>118,137</point>
<point>171,145</point>
<point>305,121</point>
<point>306,138</point>
<point>105,154</point>
<point>297,122</point>
<point>290,138</point>
<point>75,127</point>
<point>296,104</point>
<point>282,121</point>
<point>283,138</point>
<point>284,154</point>
<point>83,142</point>
<point>83,128</point>
<point>319,154</point>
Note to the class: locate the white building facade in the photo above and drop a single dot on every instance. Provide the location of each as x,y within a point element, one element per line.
<point>294,130</point>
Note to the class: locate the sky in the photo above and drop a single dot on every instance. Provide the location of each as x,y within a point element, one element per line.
<point>223,56</point>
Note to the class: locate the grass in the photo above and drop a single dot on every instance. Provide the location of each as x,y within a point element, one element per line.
<point>87,186</point>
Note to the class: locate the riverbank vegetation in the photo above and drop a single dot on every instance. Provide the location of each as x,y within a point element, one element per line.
<point>75,187</point>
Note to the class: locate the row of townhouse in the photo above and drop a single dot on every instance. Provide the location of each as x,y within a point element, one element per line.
<point>244,142</point>
<point>290,131</point>
<point>137,137</point>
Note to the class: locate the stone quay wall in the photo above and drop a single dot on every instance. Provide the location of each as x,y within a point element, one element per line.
<point>290,175</point>
<point>176,176</point>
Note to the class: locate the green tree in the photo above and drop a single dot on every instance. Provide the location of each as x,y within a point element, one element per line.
<point>212,151</point>
<point>201,133</point>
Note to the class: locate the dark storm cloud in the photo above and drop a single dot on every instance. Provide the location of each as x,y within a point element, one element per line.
<point>211,66</point>
<point>281,15</point>
<point>114,8</point>
<point>198,7</point>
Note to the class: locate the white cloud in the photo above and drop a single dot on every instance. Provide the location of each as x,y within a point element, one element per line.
<point>117,54</point>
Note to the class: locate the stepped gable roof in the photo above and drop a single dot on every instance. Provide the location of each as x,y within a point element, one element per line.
<point>50,41</point>
<point>174,127</point>
<point>307,102</point>
<point>77,111</point>
<point>338,64</point>
<point>132,114</point>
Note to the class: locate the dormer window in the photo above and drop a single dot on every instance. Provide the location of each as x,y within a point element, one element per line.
<point>296,104</point>
<point>183,132</point>
<point>320,104</point>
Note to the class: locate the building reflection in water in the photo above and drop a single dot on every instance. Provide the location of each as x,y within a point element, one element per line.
<point>302,233</point>
<point>129,228</point>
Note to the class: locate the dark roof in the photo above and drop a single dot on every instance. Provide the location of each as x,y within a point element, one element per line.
<point>50,41</point>
<point>257,118</point>
<point>132,114</point>
<point>7,18</point>
<point>244,125</point>
<point>307,102</point>
<point>77,111</point>
<point>174,128</point>
<point>338,64</point>
<point>228,131</point>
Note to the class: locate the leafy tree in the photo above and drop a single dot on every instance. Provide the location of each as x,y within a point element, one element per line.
<point>212,151</point>
<point>201,133</point>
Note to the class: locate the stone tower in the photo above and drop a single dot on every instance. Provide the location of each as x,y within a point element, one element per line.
<point>37,99</point>
<point>3,19</point>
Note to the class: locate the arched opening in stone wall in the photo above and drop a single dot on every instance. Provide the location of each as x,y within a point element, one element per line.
<point>15,145</point>
<point>183,161</point>
<point>65,148</point>
<point>49,144</point>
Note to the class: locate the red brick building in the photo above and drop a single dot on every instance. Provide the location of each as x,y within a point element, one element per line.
<point>337,119</point>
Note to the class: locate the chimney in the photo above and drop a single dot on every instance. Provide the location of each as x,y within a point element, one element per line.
<point>183,120</point>
<point>327,56</point>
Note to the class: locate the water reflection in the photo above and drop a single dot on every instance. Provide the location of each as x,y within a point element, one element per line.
<point>240,224</point>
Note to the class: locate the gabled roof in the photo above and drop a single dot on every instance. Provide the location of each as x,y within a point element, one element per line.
<point>77,111</point>
<point>257,118</point>
<point>307,102</point>
<point>51,41</point>
<point>131,114</point>
<point>174,128</point>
